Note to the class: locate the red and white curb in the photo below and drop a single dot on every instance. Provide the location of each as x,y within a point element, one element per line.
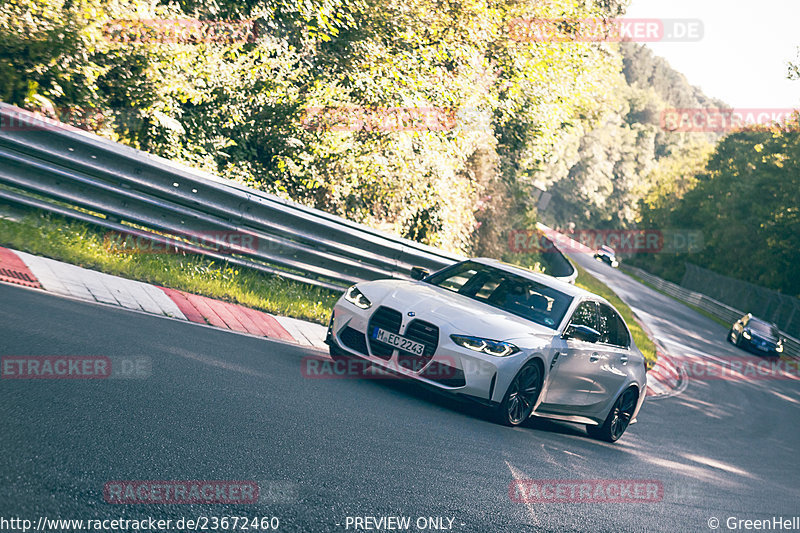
<point>666,378</point>
<point>69,280</point>
<point>663,380</point>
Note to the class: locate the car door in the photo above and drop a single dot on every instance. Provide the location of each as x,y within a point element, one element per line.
<point>570,381</point>
<point>610,356</point>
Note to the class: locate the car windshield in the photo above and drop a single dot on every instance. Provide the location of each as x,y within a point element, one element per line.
<point>762,327</point>
<point>607,250</point>
<point>515,294</point>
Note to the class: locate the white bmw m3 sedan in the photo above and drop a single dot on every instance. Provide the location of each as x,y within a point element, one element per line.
<point>520,342</point>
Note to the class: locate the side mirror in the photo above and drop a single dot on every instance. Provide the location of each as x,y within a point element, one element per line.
<point>418,273</point>
<point>581,333</point>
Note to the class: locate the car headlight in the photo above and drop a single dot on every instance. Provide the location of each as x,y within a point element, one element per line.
<point>487,346</point>
<point>746,334</point>
<point>357,298</point>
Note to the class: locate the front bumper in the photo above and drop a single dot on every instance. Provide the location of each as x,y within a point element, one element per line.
<point>449,367</point>
<point>760,346</point>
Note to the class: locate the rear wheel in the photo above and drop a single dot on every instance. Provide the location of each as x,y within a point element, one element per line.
<point>730,335</point>
<point>521,396</point>
<point>618,418</point>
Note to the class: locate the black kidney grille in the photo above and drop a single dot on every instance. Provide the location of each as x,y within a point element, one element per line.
<point>384,318</point>
<point>355,340</point>
<point>422,332</point>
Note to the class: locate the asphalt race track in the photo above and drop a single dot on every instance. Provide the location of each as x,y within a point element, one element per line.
<point>215,405</point>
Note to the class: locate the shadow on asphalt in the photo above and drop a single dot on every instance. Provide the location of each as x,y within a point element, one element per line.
<point>465,406</point>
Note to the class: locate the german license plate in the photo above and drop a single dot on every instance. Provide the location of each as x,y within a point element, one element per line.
<point>398,341</point>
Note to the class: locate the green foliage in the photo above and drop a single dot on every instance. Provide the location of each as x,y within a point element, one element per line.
<point>747,205</point>
<point>240,109</point>
<point>80,244</point>
<point>602,169</point>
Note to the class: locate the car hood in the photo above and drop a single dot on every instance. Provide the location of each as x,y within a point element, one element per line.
<point>765,336</point>
<point>440,306</point>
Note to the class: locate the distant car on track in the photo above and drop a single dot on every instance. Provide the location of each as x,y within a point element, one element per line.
<point>756,335</point>
<point>520,342</point>
<point>607,255</point>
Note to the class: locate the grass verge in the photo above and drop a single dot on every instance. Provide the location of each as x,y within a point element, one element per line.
<point>643,342</point>
<point>83,245</point>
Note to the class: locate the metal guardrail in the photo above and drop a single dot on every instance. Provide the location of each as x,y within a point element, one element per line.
<point>75,174</point>
<point>780,309</point>
<point>724,312</point>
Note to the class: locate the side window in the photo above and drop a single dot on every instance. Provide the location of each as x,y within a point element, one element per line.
<point>585,315</point>
<point>623,337</point>
<point>612,328</point>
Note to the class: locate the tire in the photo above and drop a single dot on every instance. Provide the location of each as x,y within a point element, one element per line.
<point>618,419</point>
<point>516,407</point>
<point>730,336</point>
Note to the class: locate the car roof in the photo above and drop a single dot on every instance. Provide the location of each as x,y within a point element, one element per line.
<point>567,288</point>
<point>761,321</point>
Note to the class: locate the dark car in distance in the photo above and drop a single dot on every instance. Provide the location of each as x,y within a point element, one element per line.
<point>756,335</point>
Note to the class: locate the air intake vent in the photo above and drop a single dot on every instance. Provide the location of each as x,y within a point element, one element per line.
<point>354,340</point>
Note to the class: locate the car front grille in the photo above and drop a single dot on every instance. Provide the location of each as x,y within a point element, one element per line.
<point>762,343</point>
<point>384,318</point>
<point>355,340</point>
<point>422,332</point>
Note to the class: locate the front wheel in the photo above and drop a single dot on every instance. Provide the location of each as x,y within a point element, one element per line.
<point>521,396</point>
<point>730,335</point>
<point>618,418</point>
